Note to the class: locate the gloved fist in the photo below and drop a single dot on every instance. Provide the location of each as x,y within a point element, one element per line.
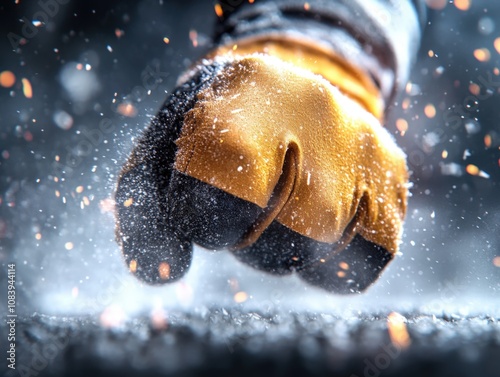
<point>272,162</point>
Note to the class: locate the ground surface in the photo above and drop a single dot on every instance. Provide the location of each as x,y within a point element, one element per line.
<point>231,342</point>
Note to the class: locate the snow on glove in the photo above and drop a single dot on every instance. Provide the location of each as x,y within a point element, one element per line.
<point>271,161</point>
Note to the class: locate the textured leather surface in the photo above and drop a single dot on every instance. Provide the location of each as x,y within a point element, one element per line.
<point>310,55</point>
<point>260,116</point>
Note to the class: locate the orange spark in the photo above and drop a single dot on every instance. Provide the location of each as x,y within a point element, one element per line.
<point>482,54</point>
<point>164,271</point>
<point>119,33</point>
<point>474,89</point>
<point>132,266</point>
<point>344,265</point>
<point>472,169</point>
<point>496,261</point>
<point>396,325</point>
<point>127,109</point>
<point>7,79</point>
<point>462,4</point>
<point>240,297</point>
<point>193,36</point>
<point>487,140</point>
<point>218,10</point>
<point>27,89</point>
<point>496,44</point>
<point>402,125</point>
<point>430,111</point>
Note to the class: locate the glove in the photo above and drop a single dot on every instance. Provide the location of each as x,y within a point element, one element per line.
<point>262,155</point>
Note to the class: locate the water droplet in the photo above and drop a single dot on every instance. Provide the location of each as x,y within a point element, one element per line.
<point>486,25</point>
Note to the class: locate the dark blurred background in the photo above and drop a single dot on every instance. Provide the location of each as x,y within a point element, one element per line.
<point>99,71</point>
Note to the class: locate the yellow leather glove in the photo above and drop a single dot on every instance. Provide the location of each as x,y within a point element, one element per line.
<point>274,151</point>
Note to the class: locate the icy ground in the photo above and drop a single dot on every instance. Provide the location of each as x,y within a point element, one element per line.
<point>230,342</point>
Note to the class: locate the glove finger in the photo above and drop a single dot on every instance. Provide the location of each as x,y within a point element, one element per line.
<point>154,249</point>
<point>207,215</point>
<point>154,252</point>
<point>279,250</point>
<point>351,270</point>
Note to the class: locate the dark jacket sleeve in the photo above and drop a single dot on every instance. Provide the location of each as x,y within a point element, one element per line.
<point>380,37</point>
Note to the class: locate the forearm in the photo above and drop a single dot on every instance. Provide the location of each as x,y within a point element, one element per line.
<point>379,38</point>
